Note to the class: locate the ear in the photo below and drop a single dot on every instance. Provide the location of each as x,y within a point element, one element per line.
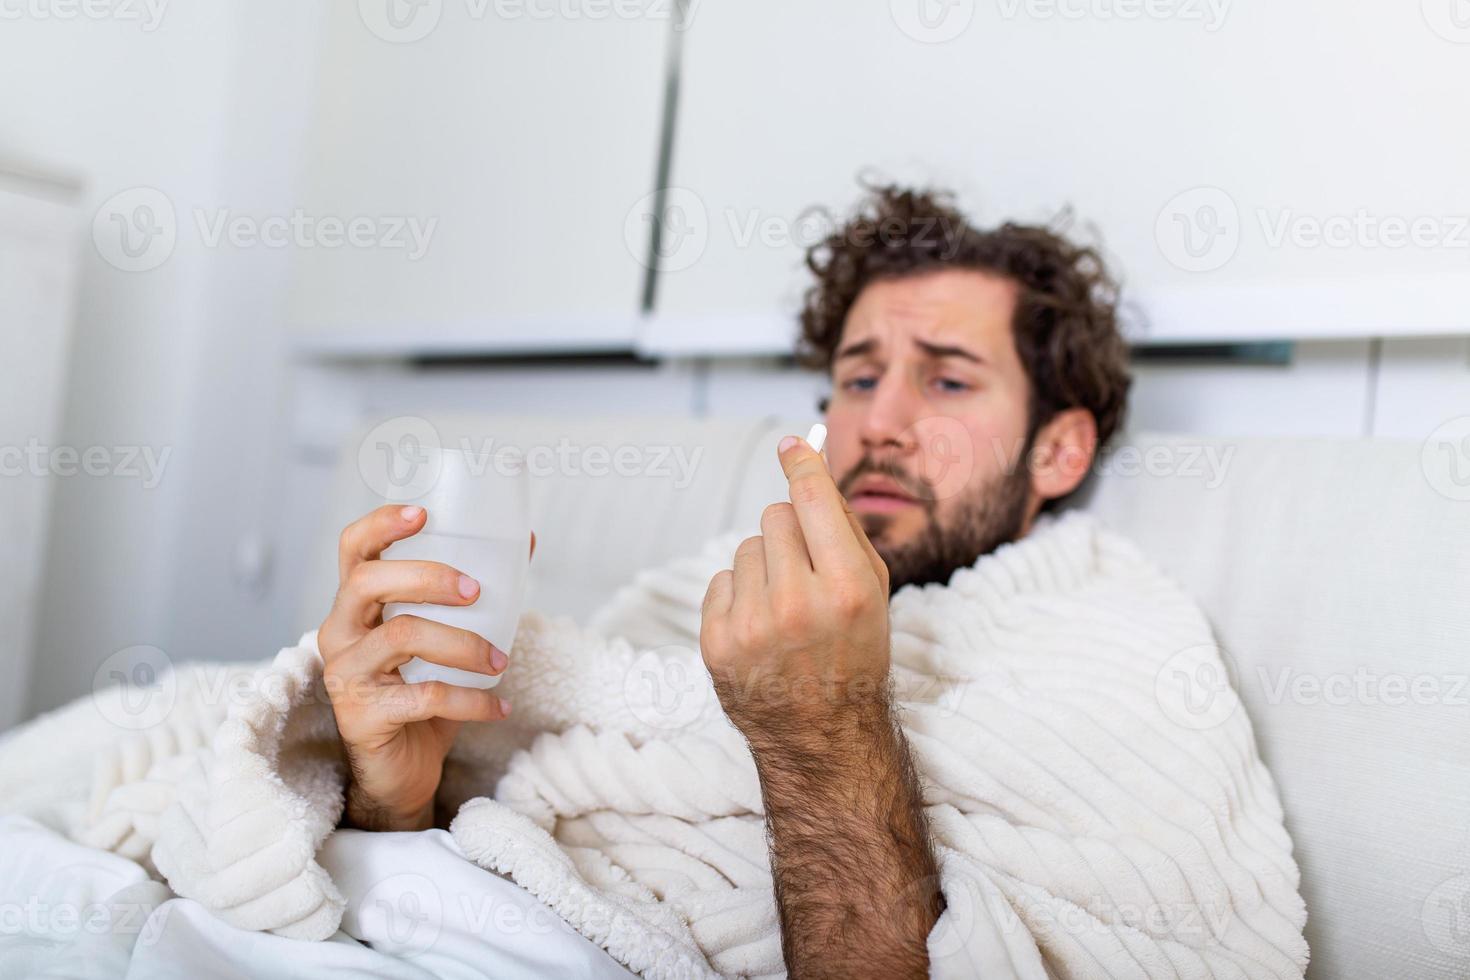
<point>1062,453</point>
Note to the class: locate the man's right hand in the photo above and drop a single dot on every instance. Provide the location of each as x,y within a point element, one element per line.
<point>396,734</point>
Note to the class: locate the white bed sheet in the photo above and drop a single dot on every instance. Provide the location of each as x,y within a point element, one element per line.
<point>416,909</point>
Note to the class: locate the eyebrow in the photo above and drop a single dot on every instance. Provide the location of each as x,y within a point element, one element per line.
<point>863,348</point>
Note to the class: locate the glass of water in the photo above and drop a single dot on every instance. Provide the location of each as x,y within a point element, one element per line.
<point>479,523</point>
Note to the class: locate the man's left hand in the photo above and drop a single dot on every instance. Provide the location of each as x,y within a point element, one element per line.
<point>796,634</point>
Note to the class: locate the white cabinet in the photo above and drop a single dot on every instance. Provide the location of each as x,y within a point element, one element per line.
<point>508,149</point>
<point>39,234</point>
<point>1256,170</point>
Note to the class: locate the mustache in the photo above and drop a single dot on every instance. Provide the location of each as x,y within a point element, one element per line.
<point>912,486</point>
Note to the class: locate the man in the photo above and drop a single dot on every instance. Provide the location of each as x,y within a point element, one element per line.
<point>975,373</point>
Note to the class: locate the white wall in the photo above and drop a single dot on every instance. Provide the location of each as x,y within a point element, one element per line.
<point>225,591</point>
<point>39,226</point>
<point>127,103</point>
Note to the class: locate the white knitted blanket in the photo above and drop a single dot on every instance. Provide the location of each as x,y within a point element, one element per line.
<point>1092,814</point>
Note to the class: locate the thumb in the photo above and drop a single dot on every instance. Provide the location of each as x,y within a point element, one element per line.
<point>800,461</point>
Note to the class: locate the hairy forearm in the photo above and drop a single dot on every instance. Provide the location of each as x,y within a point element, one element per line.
<point>855,878</point>
<point>364,811</point>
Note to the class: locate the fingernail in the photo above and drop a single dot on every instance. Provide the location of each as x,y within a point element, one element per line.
<point>410,514</point>
<point>786,444</point>
<point>498,660</point>
<point>504,707</point>
<point>468,587</point>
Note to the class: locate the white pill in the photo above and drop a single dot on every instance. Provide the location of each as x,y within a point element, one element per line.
<point>817,437</point>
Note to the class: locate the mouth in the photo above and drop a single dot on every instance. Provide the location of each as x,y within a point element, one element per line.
<point>880,495</point>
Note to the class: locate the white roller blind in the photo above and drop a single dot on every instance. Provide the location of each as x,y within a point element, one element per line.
<point>524,141</point>
<point>1257,168</point>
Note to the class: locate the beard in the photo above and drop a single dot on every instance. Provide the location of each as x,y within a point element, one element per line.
<point>993,516</point>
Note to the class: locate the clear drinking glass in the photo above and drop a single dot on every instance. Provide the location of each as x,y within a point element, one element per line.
<point>479,523</point>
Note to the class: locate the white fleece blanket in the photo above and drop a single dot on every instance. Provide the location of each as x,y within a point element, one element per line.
<point>1092,815</point>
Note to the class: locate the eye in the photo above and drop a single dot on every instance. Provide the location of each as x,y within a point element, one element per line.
<point>862,382</point>
<point>952,385</point>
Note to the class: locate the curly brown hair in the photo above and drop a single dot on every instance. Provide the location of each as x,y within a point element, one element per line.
<point>1066,322</point>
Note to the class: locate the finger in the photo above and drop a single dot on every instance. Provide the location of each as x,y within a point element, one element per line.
<point>364,539</point>
<point>374,583</point>
<point>827,523</point>
<point>714,613</point>
<point>719,596</point>
<point>403,703</point>
<point>787,560</point>
<point>402,638</point>
<point>750,567</point>
<point>880,567</point>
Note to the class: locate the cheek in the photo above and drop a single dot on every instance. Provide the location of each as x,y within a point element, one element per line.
<point>1000,443</point>
<point>843,448</point>
<point>961,456</point>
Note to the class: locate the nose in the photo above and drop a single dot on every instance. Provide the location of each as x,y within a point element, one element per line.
<point>888,422</point>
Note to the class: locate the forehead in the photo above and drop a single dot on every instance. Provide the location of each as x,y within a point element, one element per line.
<point>958,306</point>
